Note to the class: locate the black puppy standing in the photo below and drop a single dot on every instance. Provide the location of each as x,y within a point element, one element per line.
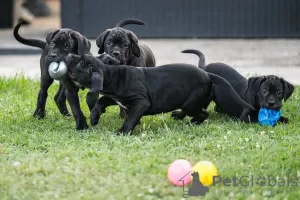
<point>123,45</point>
<point>260,92</point>
<point>148,91</point>
<point>58,44</point>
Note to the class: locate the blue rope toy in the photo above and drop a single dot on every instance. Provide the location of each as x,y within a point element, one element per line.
<point>267,117</point>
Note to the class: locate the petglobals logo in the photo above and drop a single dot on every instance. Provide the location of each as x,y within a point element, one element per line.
<point>196,188</point>
<point>252,180</point>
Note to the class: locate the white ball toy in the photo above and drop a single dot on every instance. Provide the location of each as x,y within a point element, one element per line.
<point>57,70</point>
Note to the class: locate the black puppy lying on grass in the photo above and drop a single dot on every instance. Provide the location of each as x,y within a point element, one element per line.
<point>148,91</point>
<point>260,92</point>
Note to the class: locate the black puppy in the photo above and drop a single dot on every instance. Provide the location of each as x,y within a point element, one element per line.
<point>260,92</point>
<point>148,91</point>
<point>123,45</point>
<point>58,44</point>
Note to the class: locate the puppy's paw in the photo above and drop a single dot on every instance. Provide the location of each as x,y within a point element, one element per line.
<point>178,115</point>
<point>39,114</point>
<point>195,121</point>
<point>95,116</point>
<point>284,120</point>
<point>66,114</point>
<point>121,132</point>
<point>107,59</point>
<point>82,125</point>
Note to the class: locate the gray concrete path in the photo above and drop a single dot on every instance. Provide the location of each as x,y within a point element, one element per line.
<point>250,57</point>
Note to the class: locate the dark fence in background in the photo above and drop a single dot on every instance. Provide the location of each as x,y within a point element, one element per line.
<point>187,18</point>
<point>6,13</point>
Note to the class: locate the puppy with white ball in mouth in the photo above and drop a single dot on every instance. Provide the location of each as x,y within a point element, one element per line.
<point>58,70</point>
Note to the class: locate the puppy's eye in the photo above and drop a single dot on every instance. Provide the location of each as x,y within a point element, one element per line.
<point>125,45</point>
<point>108,43</point>
<point>264,92</point>
<point>278,93</point>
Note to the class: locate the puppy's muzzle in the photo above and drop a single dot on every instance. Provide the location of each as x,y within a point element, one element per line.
<point>116,53</point>
<point>271,103</point>
<point>52,55</point>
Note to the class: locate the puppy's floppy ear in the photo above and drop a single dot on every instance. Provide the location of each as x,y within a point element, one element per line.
<point>83,44</point>
<point>134,44</point>
<point>96,82</point>
<point>51,34</point>
<point>254,84</point>
<point>288,89</point>
<point>101,40</point>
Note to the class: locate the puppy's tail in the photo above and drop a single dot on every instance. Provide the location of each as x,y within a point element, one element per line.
<point>129,21</point>
<point>201,63</point>
<point>30,42</point>
<point>221,85</point>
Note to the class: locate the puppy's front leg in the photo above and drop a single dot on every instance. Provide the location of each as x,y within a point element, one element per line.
<point>99,108</point>
<point>136,112</point>
<point>73,99</point>
<point>245,116</point>
<point>91,99</point>
<point>60,100</point>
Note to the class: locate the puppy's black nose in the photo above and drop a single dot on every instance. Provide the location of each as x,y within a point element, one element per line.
<point>116,53</point>
<point>52,55</point>
<point>271,103</point>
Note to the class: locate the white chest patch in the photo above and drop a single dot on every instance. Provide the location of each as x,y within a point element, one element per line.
<point>119,103</point>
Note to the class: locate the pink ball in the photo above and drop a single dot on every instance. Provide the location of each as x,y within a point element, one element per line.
<point>177,170</point>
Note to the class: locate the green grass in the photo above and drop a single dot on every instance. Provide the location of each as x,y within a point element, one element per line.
<point>49,159</point>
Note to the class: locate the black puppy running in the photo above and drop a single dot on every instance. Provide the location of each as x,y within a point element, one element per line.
<point>260,92</point>
<point>148,91</point>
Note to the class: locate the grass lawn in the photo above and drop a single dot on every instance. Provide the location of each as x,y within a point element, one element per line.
<point>49,159</point>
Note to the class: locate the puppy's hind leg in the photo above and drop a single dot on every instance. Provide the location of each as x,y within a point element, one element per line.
<point>194,108</point>
<point>180,114</point>
<point>198,118</point>
<point>46,81</point>
<point>60,100</point>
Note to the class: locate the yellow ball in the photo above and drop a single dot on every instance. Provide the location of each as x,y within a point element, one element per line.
<point>206,171</point>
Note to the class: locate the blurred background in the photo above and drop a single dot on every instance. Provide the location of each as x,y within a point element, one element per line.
<point>254,36</point>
